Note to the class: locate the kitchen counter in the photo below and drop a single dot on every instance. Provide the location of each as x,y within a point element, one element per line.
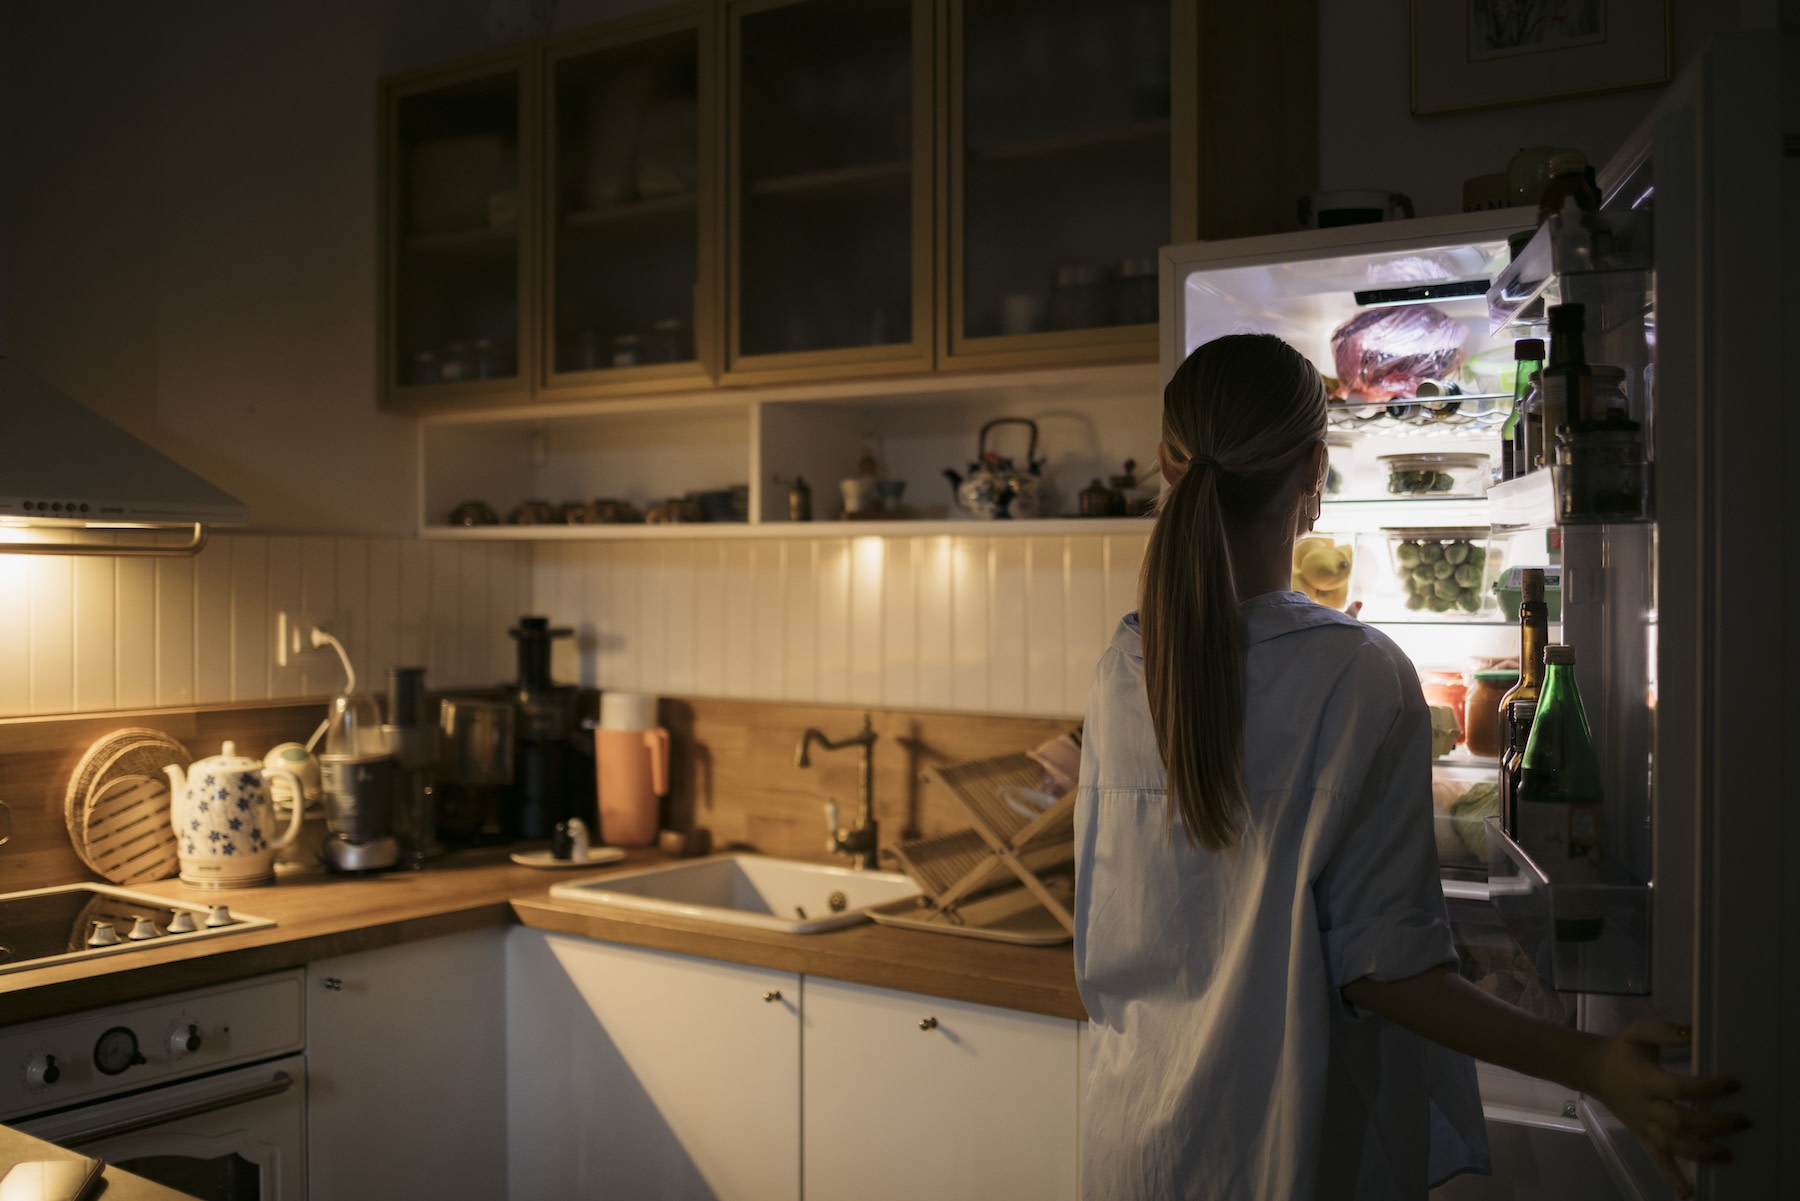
<point>318,915</point>
<point>120,1185</point>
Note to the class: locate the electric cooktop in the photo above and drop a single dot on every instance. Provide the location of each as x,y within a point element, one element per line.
<point>78,921</point>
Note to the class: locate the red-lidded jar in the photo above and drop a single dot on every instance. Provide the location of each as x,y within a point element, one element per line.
<point>1481,732</point>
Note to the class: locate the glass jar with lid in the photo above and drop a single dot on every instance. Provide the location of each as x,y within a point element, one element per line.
<point>1481,732</point>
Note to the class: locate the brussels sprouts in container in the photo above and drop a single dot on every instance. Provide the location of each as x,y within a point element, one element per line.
<point>1444,572</point>
<point>1436,475</point>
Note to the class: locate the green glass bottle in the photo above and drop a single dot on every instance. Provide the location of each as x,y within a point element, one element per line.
<point>1528,361</point>
<point>1557,806</point>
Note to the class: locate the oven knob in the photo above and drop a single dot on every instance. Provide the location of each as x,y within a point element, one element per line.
<point>184,1040</point>
<point>182,923</point>
<point>143,928</point>
<point>42,1070</point>
<point>103,936</point>
<point>220,916</point>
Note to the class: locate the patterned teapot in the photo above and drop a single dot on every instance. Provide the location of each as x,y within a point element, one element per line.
<point>995,488</point>
<point>224,818</point>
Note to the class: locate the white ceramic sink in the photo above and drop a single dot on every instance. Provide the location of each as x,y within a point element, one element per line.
<point>747,890</point>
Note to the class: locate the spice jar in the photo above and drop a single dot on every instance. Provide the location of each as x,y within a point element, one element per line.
<point>1481,731</point>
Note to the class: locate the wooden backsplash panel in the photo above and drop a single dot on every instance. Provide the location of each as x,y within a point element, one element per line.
<point>38,755</point>
<point>734,771</point>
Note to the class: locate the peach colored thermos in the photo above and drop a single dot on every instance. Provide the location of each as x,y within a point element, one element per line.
<point>631,757</point>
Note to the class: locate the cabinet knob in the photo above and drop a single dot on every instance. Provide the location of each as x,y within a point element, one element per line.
<point>333,984</point>
<point>928,1023</point>
<point>773,995</point>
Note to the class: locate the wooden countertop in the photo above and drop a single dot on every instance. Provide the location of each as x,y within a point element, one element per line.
<point>318,916</point>
<point>120,1185</point>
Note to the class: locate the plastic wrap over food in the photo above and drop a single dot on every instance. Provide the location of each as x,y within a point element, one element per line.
<point>1384,353</point>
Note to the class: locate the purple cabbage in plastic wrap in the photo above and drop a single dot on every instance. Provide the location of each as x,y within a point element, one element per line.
<point>1384,353</point>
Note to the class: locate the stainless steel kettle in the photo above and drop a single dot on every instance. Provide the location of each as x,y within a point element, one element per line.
<point>996,489</point>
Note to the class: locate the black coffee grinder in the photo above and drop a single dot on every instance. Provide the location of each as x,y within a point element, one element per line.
<point>553,780</point>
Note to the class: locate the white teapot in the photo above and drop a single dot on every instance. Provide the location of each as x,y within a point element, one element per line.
<point>224,819</point>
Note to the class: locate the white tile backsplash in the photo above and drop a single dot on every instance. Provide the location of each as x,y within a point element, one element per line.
<point>985,624</point>
<point>996,624</point>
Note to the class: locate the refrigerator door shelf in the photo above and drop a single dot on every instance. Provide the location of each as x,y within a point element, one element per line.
<point>1601,245</point>
<point>1540,913</point>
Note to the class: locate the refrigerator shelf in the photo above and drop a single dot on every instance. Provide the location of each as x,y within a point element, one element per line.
<point>1604,264</point>
<point>1584,938</point>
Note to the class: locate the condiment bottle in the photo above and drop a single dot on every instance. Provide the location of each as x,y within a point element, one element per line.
<point>1528,360</point>
<point>800,500</point>
<point>1566,383</point>
<point>1557,802</point>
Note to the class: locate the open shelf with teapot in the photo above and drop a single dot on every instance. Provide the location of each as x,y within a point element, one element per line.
<point>1022,455</point>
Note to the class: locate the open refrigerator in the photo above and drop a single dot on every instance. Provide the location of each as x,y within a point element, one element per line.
<point>1676,614</point>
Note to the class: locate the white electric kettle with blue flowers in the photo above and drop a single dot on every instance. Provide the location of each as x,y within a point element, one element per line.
<point>224,819</point>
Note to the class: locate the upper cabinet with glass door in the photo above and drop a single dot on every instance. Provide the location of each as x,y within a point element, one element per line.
<point>829,192</point>
<point>458,203</point>
<point>1060,161</point>
<point>630,181</point>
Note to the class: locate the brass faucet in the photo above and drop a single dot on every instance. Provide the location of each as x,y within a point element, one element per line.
<point>858,840</point>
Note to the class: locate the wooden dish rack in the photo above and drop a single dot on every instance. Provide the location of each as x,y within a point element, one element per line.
<point>1015,838</point>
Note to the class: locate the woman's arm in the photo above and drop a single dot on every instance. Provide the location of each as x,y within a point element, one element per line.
<point>1621,1071</point>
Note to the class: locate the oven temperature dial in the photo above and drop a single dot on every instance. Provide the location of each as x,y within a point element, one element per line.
<point>42,1070</point>
<point>184,1039</point>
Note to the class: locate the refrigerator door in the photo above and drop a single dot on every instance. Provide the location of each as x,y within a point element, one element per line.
<point>1723,842</point>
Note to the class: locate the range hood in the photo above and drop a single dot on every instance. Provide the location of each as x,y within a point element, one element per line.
<point>65,468</point>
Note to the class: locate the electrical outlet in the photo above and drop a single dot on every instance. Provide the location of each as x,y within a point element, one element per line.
<point>293,636</point>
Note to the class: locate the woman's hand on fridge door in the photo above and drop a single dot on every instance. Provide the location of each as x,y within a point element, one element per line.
<point>1624,1073</point>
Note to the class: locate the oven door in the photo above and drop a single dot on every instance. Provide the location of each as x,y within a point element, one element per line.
<point>236,1136</point>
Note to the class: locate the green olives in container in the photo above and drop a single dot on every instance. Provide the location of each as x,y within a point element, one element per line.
<point>1441,571</point>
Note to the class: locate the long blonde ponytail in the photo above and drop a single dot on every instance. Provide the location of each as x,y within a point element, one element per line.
<point>1238,416</point>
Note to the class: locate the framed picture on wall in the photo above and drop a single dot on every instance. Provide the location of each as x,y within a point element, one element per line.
<point>1470,54</point>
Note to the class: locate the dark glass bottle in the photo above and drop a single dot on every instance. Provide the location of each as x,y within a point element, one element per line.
<point>1534,636</point>
<point>1557,803</point>
<point>1515,733</point>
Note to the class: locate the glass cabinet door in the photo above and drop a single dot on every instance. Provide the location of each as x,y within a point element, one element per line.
<point>1060,152</point>
<point>829,218</point>
<point>458,204</point>
<point>630,192</point>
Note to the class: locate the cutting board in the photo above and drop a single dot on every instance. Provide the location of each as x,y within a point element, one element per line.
<point>117,805</point>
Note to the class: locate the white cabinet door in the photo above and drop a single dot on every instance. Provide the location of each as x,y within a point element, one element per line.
<point>907,1096</point>
<point>405,1071</point>
<point>636,1073</point>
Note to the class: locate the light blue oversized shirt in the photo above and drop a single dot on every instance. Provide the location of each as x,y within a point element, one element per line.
<point>1222,1062</point>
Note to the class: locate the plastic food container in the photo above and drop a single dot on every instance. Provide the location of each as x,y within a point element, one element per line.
<point>1509,590</point>
<point>1445,572</point>
<point>1438,475</point>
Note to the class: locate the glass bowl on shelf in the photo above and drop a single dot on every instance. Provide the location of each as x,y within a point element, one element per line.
<point>1431,573</point>
<point>1439,475</point>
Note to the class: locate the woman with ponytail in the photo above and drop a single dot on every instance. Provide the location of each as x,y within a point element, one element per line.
<point>1261,939</point>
